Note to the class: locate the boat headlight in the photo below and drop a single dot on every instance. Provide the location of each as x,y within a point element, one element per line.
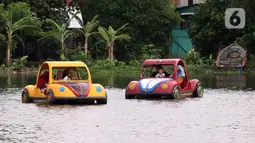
<point>131,85</point>
<point>62,89</point>
<point>99,89</point>
<point>164,85</point>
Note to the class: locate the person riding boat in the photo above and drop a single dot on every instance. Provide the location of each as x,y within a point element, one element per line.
<point>157,68</point>
<point>180,74</point>
<point>67,74</point>
<point>160,73</point>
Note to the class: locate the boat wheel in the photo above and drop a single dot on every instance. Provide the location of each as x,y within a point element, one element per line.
<point>176,93</point>
<point>199,90</point>
<point>25,97</point>
<point>50,99</point>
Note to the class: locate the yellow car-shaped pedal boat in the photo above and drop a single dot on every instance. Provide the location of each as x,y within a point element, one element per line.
<point>64,80</point>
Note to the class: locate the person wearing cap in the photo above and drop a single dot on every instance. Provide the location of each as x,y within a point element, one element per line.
<point>180,74</point>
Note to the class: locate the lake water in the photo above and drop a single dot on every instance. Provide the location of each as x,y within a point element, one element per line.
<point>226,114</point>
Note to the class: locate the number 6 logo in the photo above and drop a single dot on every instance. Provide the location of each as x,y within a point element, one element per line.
<point>235,18</point>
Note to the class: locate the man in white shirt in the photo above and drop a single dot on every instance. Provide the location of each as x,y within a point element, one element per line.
<point>67,74</point>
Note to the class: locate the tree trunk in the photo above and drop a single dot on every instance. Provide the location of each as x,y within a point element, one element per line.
<point>109,51</point>
<point>8,50</point>
<point>86,47</point>
<point>111,47</point>
<point>62,54</point>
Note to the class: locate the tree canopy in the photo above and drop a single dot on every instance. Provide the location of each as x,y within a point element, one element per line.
<point>208,30</point>
<point>150,21</point>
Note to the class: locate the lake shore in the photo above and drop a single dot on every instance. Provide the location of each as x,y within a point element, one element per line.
<point>127,70</point>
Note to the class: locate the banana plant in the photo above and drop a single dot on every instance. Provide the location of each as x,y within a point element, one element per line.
<point>87,30</point>
<point>12,27</point>
<point>58,32</point>
<point>110,36</point>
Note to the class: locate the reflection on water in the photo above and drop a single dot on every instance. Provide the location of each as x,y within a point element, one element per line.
<point>236,81</point>
<point>231,81</point>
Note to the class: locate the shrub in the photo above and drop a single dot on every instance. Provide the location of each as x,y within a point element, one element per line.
<point>18,64</point>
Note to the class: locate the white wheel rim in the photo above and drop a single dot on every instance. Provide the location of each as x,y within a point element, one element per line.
<point>176,93</point>
<point>200,91</point>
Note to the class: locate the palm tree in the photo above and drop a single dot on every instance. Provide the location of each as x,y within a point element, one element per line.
<point>58,32</point>
<point>2,38</point>
<point>12,28</point>
<point>87,30</point>
<point>110,36</point>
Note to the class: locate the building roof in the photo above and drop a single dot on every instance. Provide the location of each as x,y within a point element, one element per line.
<point>74,23</point>
<point>187,10</point>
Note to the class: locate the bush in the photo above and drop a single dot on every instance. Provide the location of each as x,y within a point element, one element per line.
<point>193,58</point>
<point>75,55</point>
<point>18,64</point>
<point>251,62</point>
<point>3,67</point>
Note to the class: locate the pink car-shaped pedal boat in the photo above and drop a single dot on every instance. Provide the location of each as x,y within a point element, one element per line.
<point>169,86</point>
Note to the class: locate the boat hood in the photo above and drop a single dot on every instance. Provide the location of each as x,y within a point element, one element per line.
<point>148,85</point>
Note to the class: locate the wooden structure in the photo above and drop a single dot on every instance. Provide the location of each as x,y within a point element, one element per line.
<point>232,56</point>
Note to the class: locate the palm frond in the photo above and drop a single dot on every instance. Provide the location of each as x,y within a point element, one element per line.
<point>3,16</point>
<point>91,25</point>
<point>53,24</point>
<point>111,31</point>
<point>78,31</point>
<point>47,38</point>
<point>122,36</point>
<point>92,33</point>
<point>68,34</point>
<point>23,21</point>
<point>99,42</point>
<point>121,27</point>
<point>19,39</point>
<point>23,26</point>
<point>103,32</point>
<point>2,37</point>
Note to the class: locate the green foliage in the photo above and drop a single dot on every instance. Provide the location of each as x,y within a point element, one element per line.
<point>59,33</point>
<point>150,22</point>
<point>110,36</point>
<point>16,18</point>
<point>18,64</point>
<point>208,30</point>
<point>251,63</point>
<point>3,67</point>
<point>76,55</point>
<point>149,52</point>
<point>87,30</point>
<point>53,9</point>
<point>193,58</point>
<point>112,66</point>
<point>89,27</point>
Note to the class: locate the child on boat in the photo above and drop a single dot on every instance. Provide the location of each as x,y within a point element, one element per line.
<point>161,73</point>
